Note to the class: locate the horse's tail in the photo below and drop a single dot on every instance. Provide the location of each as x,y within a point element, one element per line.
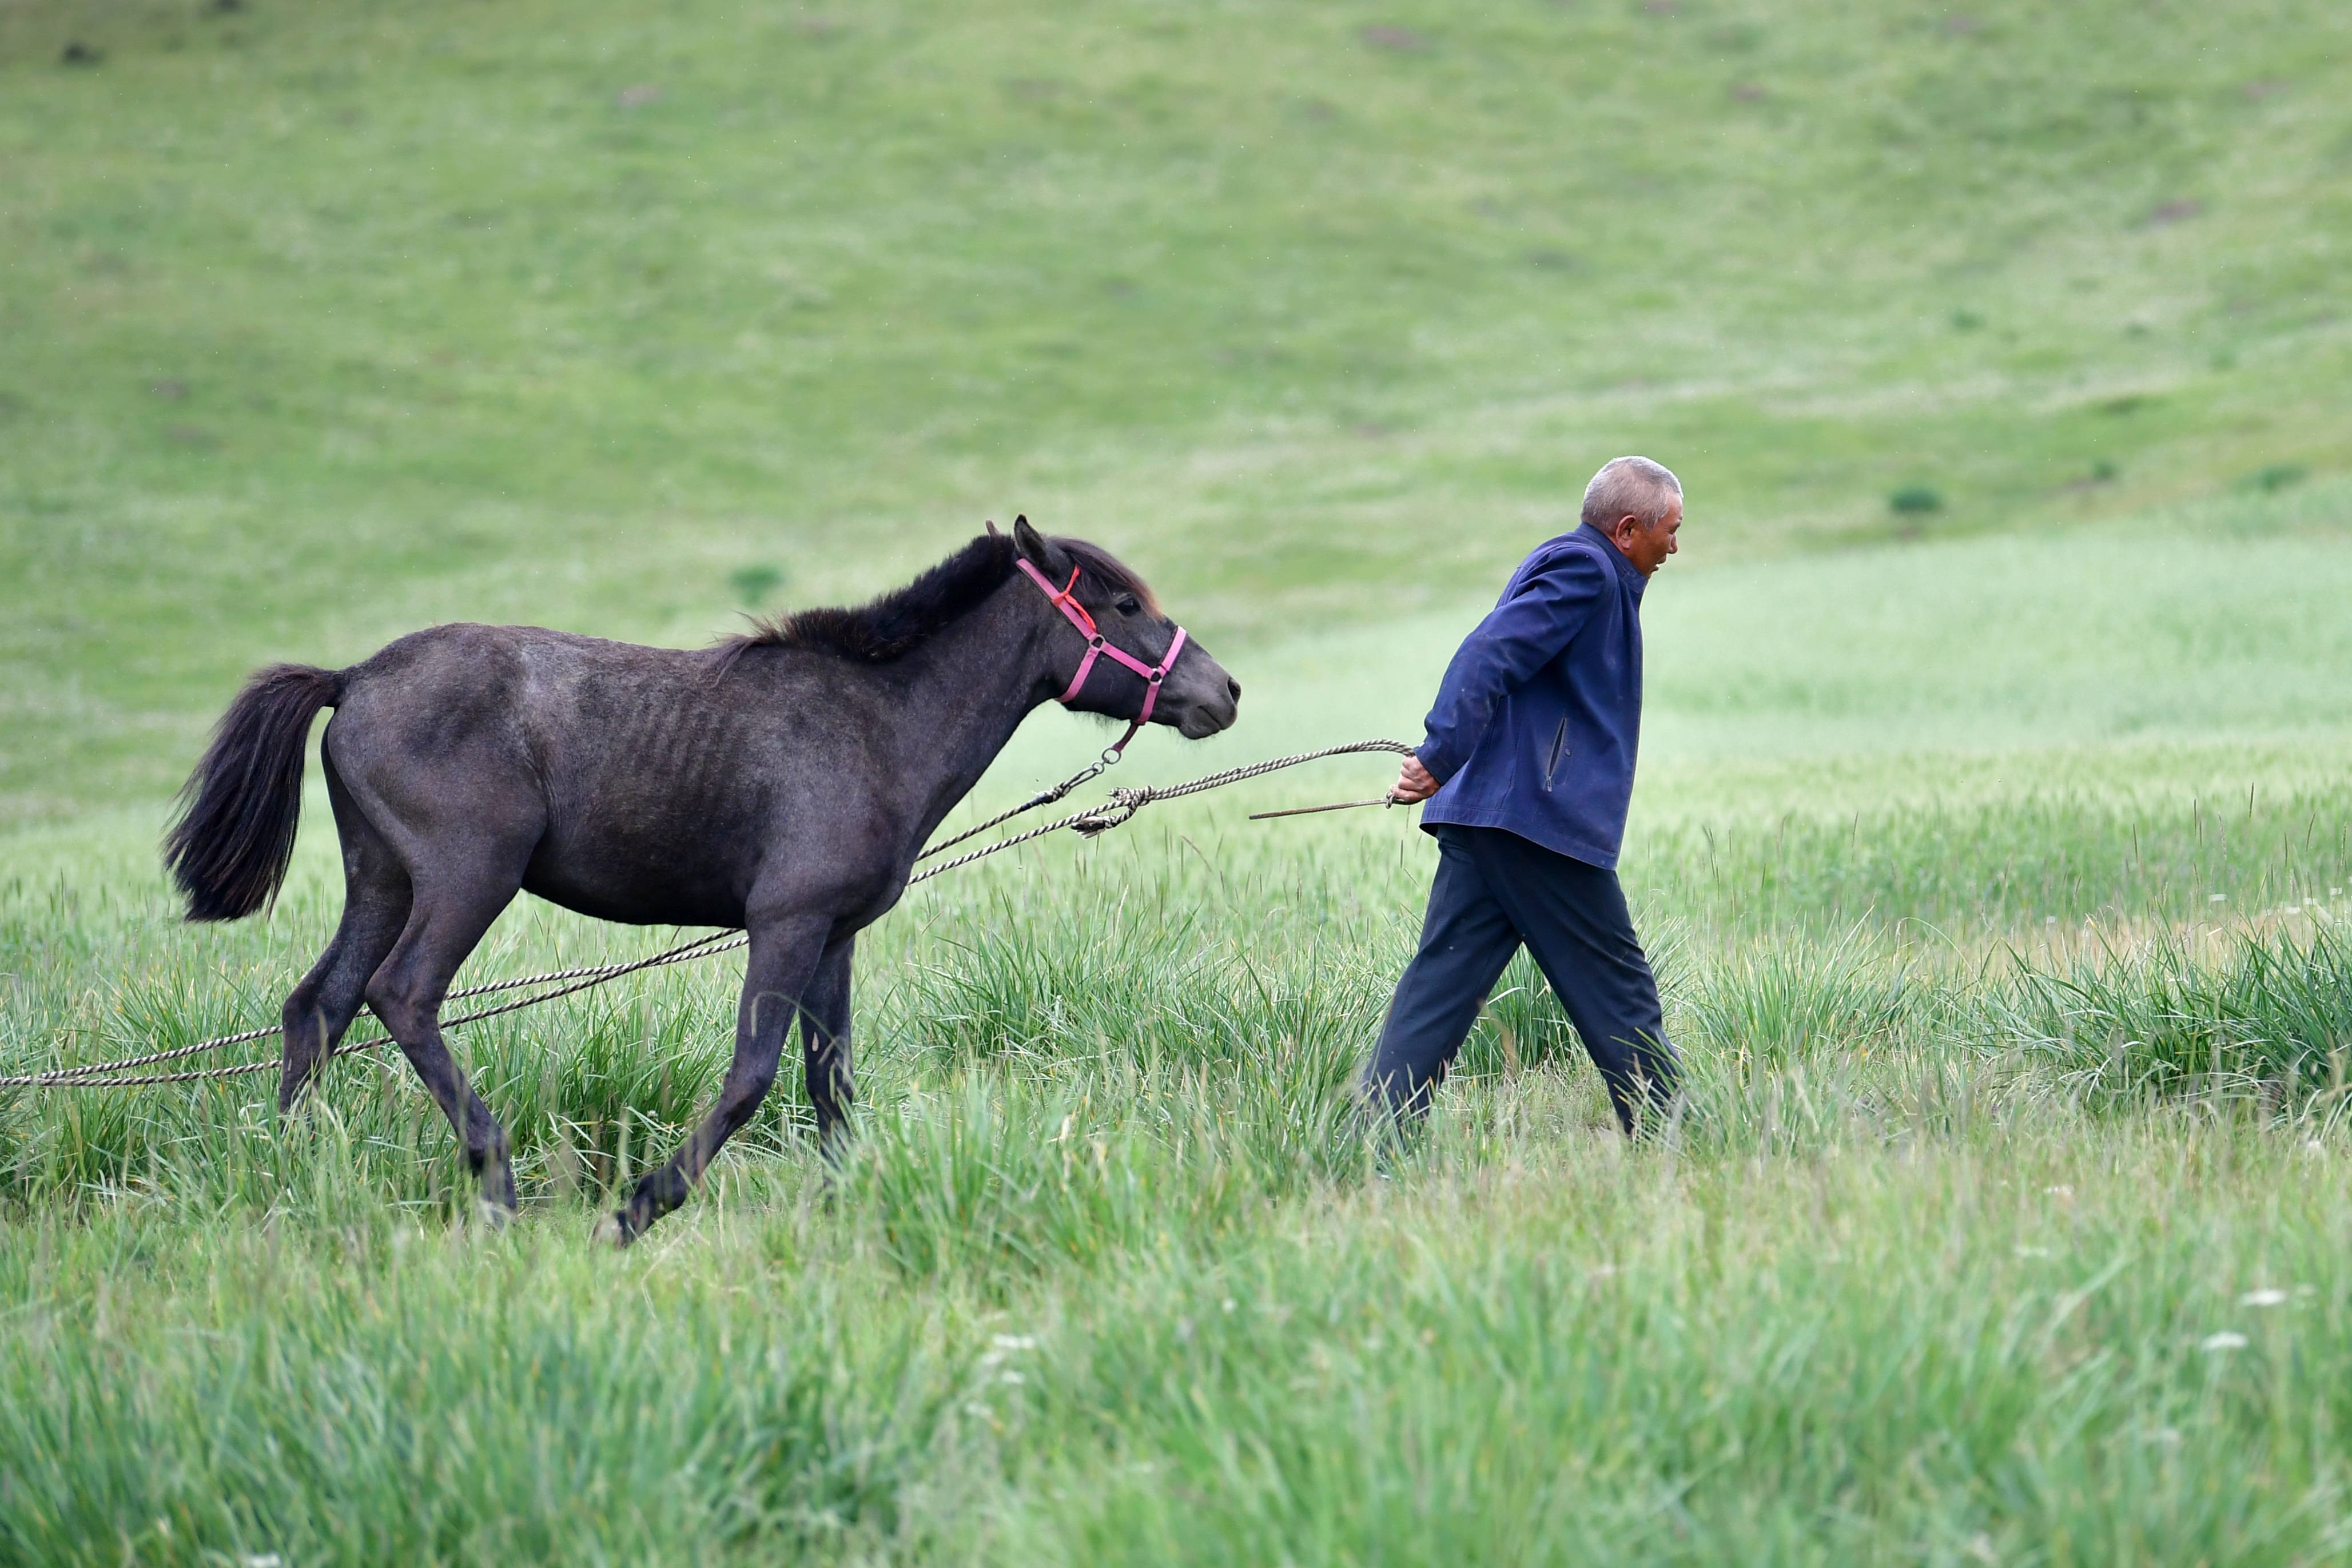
<point>234,835</point>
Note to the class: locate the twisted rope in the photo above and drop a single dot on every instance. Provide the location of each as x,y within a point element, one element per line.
<point>1125,803</point>
<point>1120,809</point>
<point>1042,797</point>
<point>87,1075</point>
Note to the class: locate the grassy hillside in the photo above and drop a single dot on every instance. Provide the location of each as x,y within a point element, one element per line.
<point>1994,849</point>
<point>323,321</point>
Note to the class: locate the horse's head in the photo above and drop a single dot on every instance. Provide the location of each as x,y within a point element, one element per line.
<point>1119,655</point>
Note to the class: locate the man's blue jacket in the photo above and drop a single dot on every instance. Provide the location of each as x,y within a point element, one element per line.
<point>1541,712</point>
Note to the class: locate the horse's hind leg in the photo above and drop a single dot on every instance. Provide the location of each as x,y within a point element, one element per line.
<point>777,978</point>
<point>825,1046</point>
<point>448,917</point>
<point>375,907</point>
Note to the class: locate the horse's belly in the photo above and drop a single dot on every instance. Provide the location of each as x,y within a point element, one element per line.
<point>634,894</point>
<point>641,913</point>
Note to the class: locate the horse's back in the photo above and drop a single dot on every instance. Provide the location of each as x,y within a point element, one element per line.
<point>637,782</point>
<point>485,713</point>
<point>462,685</point>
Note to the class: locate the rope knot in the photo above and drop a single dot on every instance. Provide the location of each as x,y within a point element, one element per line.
<point>1122,805</point>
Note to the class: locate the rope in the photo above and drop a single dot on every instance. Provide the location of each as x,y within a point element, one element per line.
<point>608,970</point>
<point>1042,797</point>
<point>1120,809</point>
<point>1125,803</point>
<point>87,1076</point>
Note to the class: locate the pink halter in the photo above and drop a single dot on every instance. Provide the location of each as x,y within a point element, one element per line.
<point>1067,602</point>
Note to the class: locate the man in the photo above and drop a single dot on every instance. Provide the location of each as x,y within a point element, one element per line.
<point>1528,768</point>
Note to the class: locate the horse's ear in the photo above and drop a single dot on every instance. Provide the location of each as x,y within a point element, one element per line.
<point>1040,549</point>
<point>995,532</point>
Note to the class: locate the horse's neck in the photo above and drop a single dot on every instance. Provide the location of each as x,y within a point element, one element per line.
<point>971,684</point>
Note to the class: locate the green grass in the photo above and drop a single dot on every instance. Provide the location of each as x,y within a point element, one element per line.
<point>1743,1360</point>
<point>1108,1280</point>
<point>1995,853</point>
<point>1929,1264</point>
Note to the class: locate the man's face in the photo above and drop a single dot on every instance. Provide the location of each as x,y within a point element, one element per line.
<point>1647,548</point>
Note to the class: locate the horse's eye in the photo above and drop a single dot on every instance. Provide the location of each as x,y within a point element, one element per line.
<point>1127,603</point>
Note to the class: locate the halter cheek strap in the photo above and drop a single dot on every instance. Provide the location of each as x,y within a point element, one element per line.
<point>1064,599</point>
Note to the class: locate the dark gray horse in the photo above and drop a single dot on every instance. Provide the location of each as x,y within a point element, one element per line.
<point>782,782</point>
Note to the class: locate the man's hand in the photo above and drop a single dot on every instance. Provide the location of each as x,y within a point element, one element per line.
<point>1414,784</point>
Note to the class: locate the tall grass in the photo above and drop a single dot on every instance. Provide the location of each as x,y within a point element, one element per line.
<point>2025,858</point>
<point>2271,1015</point>
<point>1249,977</point>
<point>1974,1239</point>
<point>1931,1263</point>
<point>1565,1349</point>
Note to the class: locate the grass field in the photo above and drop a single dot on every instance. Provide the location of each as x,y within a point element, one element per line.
<point>1996,853</point>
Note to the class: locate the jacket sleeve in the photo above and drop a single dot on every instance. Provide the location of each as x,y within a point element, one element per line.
<point>1520,636</point>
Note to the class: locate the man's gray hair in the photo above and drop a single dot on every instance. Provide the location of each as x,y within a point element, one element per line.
<point>1631,485</point>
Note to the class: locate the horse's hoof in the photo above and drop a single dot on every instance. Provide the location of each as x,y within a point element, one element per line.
<point>495,1215</point>
<point>613,1231</point>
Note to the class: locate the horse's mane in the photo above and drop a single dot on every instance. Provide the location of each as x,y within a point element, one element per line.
<point>902,620</point>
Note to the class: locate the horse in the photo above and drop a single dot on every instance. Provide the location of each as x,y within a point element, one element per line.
<point>782,780</point>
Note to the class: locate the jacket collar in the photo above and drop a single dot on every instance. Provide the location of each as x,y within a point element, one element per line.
<point>1625,572</point>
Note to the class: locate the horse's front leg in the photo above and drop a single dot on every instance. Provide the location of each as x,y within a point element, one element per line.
<point>824,1044</point>
<point>777,974</point>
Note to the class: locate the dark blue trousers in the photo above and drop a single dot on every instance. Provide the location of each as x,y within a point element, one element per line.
<point>1494,891</point>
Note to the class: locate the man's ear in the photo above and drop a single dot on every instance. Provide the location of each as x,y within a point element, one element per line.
<point>1041,552</point>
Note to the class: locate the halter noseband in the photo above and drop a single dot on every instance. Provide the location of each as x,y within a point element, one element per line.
<point>1064,600</point>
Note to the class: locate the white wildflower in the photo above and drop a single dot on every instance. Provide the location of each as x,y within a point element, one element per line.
<point>2263,1299</point>
<point>2217,899</point>
<point>1015,1342</point>
<point>2227,1339</point>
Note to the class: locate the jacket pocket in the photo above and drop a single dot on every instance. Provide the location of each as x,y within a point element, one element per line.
<point>1559,755</point>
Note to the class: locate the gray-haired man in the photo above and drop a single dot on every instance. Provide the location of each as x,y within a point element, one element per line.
<point>1528,768</point>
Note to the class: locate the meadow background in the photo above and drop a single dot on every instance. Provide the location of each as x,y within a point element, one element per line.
<point>1993,835</point>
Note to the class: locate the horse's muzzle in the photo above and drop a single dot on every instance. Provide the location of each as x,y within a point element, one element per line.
<point>1199,720</point>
